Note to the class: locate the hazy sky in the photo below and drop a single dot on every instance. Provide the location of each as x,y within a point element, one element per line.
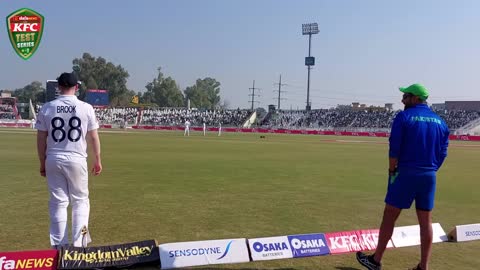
<point>365,49</point>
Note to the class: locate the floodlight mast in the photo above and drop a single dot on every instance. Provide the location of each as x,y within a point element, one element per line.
<point>309,29</point>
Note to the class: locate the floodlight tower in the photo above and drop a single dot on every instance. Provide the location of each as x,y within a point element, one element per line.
<point>309,29</point>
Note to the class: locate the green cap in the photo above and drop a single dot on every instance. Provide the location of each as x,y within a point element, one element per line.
<point>416,90</point>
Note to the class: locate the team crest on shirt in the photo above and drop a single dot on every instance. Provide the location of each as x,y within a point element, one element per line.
<point>25,29</point>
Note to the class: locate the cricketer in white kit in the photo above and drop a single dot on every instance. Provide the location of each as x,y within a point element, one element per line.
<point>187,128</point>
<point>64,125</point>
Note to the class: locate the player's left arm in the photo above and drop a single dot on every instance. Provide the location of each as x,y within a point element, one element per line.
<point>42,150</point>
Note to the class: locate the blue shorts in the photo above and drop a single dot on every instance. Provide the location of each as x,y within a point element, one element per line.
<point>409,186</point>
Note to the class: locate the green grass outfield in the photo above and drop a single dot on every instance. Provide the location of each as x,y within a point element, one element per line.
<point>172,188</point>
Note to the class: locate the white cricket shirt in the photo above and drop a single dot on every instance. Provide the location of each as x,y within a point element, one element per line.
<point>67,121</point>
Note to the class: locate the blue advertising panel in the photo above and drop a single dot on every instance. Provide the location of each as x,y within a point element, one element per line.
<point>97,97</point>
<point>306,245</point>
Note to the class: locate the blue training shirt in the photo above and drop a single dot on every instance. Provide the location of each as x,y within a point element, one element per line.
<point>419,139</point>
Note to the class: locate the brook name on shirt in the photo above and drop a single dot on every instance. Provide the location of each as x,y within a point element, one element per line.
<point>66,109</point>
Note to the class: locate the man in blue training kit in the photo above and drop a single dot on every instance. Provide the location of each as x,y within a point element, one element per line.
<point>418,147</point>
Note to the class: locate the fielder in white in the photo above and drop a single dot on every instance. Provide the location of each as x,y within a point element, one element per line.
<point>64,125</point>
<point>219,129</point>
<point>187,128</point>
<point>204,127</point>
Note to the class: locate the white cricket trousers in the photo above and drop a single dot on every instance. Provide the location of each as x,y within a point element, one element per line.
<point>67,179</point>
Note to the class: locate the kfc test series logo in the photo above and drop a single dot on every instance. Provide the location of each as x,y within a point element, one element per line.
<point>25,28</point>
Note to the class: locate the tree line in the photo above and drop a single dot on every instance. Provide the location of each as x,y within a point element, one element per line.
<point>162,91</point>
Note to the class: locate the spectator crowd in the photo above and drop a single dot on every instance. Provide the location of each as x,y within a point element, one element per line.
<point>7,112</point>
<point>171,116</point>
<point>458,118</point>
<point>178,116</point>
<point>118,116</point>
<point>341,119</point>
<point>327,119</point>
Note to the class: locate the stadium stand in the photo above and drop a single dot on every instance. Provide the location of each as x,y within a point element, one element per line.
<point>8,108</point>
<point>177,116</point>
<point>337,119</point>
<point>117,116</point>
<point>171,116</point>
<point>355,120</point>
<point>458,118</point>
<point>7,112</point>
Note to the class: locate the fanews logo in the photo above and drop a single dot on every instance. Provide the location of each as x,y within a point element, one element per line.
<point>200,251</point>
<point>25,263</point>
